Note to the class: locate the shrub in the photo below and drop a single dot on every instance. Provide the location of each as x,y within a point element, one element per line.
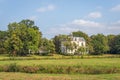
<point>30,69</point>
<point>58,69</point>
<point>11,68</point>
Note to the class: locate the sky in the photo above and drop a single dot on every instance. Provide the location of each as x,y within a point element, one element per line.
<point>55,17</point>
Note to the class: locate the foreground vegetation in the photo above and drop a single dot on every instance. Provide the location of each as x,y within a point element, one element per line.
<point>24,76</point>
<point>59,67</point>
<point>63,66</point>
<point>4,57</point>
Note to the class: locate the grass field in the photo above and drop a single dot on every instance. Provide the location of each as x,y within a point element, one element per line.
<point>110,62</point>
<point>97,68</point>
<point>90,66</point>
<point>26,76</point>
<point>55,56</point>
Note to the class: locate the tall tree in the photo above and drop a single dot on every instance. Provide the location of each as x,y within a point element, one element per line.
<point>47,46</point>
<point>3,36</point>
<point>57,41</point>
<point>27,34</point>
<point>115,45</point>
<point>100,43</point>
<point>110,42</point>
<point>14,44</point>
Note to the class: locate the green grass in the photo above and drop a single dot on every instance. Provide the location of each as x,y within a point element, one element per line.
<point>68,62</point>
<point>61,64</point>
<point>55,56</point>
<point>85,66</point>
<point>26,76</point>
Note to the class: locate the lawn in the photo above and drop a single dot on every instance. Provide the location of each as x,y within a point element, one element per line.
<point>27,76</point>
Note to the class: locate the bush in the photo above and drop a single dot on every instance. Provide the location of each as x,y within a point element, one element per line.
<point>60,69</point>
<point>30,69</point>
<point>11,68</point>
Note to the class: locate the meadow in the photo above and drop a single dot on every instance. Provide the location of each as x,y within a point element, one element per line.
<point>106,67</point>
<point>27,76</point>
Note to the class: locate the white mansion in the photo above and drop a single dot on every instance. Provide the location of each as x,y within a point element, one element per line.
<point>79,41</point>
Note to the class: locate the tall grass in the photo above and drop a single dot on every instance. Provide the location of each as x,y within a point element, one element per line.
<point>5,57</point>
<point>60,69</point>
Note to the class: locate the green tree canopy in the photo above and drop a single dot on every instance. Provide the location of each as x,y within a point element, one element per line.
<point>3,36</point>
<point>100,43</point>
<point>57,41</point>
<point>115,45</point>
<point>23,37</point>
<point>110,42</point>
<point>47,45</point>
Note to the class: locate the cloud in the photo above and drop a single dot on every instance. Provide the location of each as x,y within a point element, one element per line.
<point>113,28</point>
<point>94,15</point>
<point>79,24</point>
<point>82,22</point>
<point>87,26</point>
<point>115,25</point>
<point>46,8</point>
<point>62,30</point>
<point>33,17</point>
<point>116,8</point>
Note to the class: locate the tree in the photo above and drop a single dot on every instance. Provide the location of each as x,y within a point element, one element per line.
<point>32,42</point>
<point>14,44</point>
<point>100,44</point>
<point>47,46</point>
<point>57,42</point>
<point>115,45</point>
<point>81,50</point>
<point>25,33</point>
<point>3,36</point>
<point>110,42</point>
<point>68,45</point>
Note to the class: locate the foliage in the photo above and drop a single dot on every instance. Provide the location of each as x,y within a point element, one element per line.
<point>47,46</point>
<point>11,68</point>
<point>83,66</point>
<point>23,38</point>
<point>68,45</point>
<point>57,41</point>
<point>3,36</point>
<point>81,51</point>
<point>115,45</point>
<point>30,69</point>
<point>110,43</point>
<point>100,44</point>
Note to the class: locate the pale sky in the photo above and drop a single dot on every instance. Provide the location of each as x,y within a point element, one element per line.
<point>55,17</point>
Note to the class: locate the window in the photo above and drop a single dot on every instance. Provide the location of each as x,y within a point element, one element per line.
<point>82,44</point>
<point>75,39</point>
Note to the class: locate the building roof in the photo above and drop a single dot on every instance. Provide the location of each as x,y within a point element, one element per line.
<point>78,39</point>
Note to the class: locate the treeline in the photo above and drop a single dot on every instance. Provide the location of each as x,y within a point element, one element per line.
<point>24,38</point>
<point>96,44</point>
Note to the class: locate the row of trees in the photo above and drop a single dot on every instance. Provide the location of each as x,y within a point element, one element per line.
<point>96,44</point>
<point>25,38</point>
